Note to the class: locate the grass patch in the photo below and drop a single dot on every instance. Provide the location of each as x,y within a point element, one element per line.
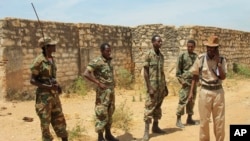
<point>239,71</point>
<point>79,87</point>
<point>124,78</point>
<point>19,95</point>
<point>122,118</point>
<point>76,131</point>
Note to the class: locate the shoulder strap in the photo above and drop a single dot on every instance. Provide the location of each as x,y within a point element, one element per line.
<point>201,67</point>
<point>182,57</point>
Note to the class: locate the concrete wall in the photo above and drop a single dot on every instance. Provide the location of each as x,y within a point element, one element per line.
<point>79,43</point>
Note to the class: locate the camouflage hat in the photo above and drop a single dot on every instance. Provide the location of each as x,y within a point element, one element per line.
<point>213,41</point>
<point>46,41</point>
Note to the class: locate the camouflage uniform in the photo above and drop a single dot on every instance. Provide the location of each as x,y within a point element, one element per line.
<point>105,98</point>
<point>48,105</point>
<point>184,63</point>
<point>155,64</point>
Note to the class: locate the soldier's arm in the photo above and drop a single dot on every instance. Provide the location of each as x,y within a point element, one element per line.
<point>88,74</point>
<point>34,81</point>
<point>194,80</point>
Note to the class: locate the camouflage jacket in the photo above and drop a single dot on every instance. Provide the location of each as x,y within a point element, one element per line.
<point>102,69</point>
<point>184,63</point>
<point>155,64</point>
<point>43,69</point>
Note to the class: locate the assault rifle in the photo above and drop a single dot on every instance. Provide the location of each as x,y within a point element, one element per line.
<point>52,81</point>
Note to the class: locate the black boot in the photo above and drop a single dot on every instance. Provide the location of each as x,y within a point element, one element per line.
<point>156,129</point>
<point>64,138</point>
<point>190,121</point>
<point>146,132</point>
<point>178,122</point>
<point>100,136</point>
<point>109,136</point>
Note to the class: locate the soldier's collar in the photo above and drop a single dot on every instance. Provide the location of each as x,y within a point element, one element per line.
<point>105,60</point>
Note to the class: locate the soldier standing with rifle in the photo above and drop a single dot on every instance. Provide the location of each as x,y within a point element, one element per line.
<point>48,105</point>
<point>184,63</point>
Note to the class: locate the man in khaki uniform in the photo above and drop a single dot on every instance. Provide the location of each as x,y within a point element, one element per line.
<point>210,69</point>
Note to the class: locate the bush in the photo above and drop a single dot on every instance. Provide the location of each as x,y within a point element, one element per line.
<point>76,131</point>
<point>79,86</point>
<point>241,70</point>
<point>19,95</point>
<point>124,78</point>
<point>122,118</point>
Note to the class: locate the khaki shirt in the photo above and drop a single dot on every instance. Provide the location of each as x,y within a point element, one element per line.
<point>209,71</point>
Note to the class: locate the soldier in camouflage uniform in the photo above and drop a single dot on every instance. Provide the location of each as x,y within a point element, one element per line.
<point>184,63</point>
<point>156,86</point>
<point>48,105</point>
<point>102,71</point>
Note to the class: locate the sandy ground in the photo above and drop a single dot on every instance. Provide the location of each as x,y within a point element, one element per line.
<point>80,111</point>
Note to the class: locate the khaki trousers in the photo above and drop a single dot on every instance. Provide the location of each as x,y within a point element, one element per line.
<point>212,102</point>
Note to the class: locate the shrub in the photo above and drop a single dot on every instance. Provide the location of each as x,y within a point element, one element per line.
<point>124,78</point>
<point>241,70</point>
<point>79,87</point>
<point>122,118</point>
<point>76,131</point>
<point>19,95</point>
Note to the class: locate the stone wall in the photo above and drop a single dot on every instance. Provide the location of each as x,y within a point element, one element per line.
<point>79,43</point>
<point>142,43</point>
<point>91,36</point>
<point>19,47</point>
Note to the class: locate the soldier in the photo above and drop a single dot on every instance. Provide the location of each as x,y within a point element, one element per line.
<point>210,69</point>
<point>156,86</point>
<point>103,77</point>
<point>184,63</point>
<point>48,105</point>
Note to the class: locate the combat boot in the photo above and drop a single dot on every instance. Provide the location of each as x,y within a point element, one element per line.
<point>64,138</point>
<point>109,136</point>
<point>146,132</point>
<point>156,128</point>
<point>190,121</point>
<point>178,122</point>
<point>100,136</point>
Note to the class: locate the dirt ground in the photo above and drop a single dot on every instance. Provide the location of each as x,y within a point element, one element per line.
<point>80,111</point>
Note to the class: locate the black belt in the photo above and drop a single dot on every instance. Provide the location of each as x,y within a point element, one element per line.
<point>207,87</point>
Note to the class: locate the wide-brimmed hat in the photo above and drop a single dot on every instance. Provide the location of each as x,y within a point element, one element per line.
<point>44,41</point>
<point>213,41</point>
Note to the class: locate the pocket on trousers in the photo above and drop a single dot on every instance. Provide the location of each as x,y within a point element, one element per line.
<point>101,112</point>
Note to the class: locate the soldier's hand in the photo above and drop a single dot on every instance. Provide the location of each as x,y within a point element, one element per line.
<point>190,97</point>
<point>151,92</point>
<point>166,91</point>
<point>102,86</point>
<point>54,87</point>
<point>184,85</point>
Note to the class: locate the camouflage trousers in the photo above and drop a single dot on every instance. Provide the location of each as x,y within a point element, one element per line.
<point>104,108</point>
<point>49,110</point>
<point>184,103</point>
<point>153,106</point>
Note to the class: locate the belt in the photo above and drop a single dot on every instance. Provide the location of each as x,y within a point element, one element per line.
<point>207,87</point>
